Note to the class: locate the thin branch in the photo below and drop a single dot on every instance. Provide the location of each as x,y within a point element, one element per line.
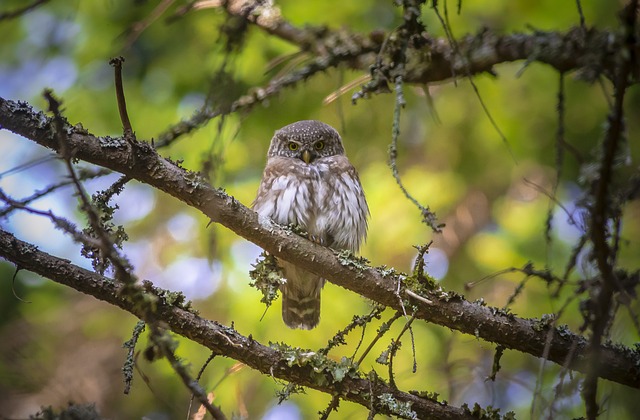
<point>601,211</point>
<point>381,331</point>
<point>428,217</point>
<point>163,341</point>
<point>581,14</point>
<point>198,376</point>
<point>140,26</point>
<point>333,406</point>
<point>122,103</point>
<point>83,176</point>
<point>129,363</point>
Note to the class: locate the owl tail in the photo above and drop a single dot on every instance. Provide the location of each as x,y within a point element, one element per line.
<point>300,298</point>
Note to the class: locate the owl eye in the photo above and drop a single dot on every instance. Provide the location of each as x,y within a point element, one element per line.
<point>319,145</point>
<point>293,146</point>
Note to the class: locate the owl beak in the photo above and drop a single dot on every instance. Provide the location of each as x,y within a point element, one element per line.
<point>306,156</point>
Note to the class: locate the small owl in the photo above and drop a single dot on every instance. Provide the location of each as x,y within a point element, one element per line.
<point>308,181</point>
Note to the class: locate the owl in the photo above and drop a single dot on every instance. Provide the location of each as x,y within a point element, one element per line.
<point>309,182</point>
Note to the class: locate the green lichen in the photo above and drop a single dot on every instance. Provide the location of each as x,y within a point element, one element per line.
<point>480,302</point>
<point>298,230</point>
<point>385,271</point>
<point>488,413</point>
<point>111,142</point>
<point>348,259</point>
<point>401,409</point>
<point>545,321</point>
<point>506,312</point>
<point>383,359</point>
<point>418,272</point>
<point>267,277</point>
<point>129,363</point>
<point>194,180</point>
<point>324,371</point>
<point>445,295</point>
<point>564,331</point>
<point>427,395</point>
<point>290,388</point>
<point>177,299</point>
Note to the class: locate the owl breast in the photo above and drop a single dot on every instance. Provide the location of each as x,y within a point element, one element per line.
<point>324,198</point>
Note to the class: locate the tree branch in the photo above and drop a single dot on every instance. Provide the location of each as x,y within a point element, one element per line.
<point>602,211</point>
<point>590,50</point>
<point>219,338</point>
<point>141,161</point>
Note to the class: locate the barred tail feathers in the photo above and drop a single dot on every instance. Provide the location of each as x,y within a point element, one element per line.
<point>300,297</point>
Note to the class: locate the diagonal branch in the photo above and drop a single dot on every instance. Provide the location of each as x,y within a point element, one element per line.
<point>448,309</point>
<point>219,338</point>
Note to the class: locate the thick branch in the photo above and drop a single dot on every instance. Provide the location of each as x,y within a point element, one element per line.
<point>218,338</point>
<point>140,161</point>
<point>591,51</point>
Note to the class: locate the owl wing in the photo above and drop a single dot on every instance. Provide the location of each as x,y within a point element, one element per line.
<point>284,194</point>
<point>343,208</point>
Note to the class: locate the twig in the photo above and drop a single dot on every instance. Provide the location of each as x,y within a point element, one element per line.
<point>163,340</point>
<point>339,337</point>
<point>496,362</point>
<point>140,26</point>
<point>198,376</point>
<point>581,14</point>
<point>468,73</point>
<point>333,406</point>
<point>13,285</point>
<point>59,222</point>
<point>122,103</point>
<point>39,194</point>
<point>27,165</point>
<point>395,345</point>
<point>254,97</point>
<point>428,217</point>
<point>381,331</point>
<point>560,141</point>
<point>418,297</point>
<point>130,344</point>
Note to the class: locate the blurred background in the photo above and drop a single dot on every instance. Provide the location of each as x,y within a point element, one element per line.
<point>57,345</point>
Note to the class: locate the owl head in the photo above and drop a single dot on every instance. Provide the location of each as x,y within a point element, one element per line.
<point>306,140</point>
